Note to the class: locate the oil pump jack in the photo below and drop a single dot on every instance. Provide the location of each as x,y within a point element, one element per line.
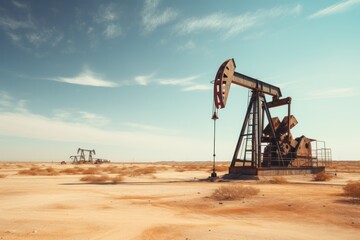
<point>260,147</point>
<point>82,155</point>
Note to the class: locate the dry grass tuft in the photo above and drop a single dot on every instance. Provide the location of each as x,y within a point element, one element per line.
<point>117,179</point>
<point>36,171</point>
<point>233,192</point>
<point>91,171</point>
<point>95,179</point>
<point>222,168</point>
<point>278,180</point>
<point>352,189</point>
<point>102,179</point>
<point>3,176</point>
<point>72,171</point>
<point>143,171</point>
<point>112,169</point>
<point>322,177</point>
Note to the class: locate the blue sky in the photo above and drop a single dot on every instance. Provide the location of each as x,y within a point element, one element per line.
<point>131,79</point>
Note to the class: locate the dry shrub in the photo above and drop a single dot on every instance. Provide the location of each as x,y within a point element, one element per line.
<point>95,179</point>
<point>72,171</point>
<point>192,166</point>
<point>3,176</point>
<point>233,192</point>
<point>222,168</point>
<point>102,178</point>
<point>278,180</point>
<point>143,171</point>
<point>322,177</point>
<point>352,189</point>
<point>36,171</point>
<point>117,179</point>
<point>51,170</point>
<point>91,171</point>
<point>113,169</point>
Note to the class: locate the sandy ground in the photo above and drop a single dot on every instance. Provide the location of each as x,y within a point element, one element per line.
<point>171,203</point>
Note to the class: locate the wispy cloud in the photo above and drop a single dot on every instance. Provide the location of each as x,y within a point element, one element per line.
<point>333,9</point>
<point>20,5</point>
<point>144,80</point>
<point>332,93</point>
<point>197,87</point>
<point>8,103</point>
<point>152,17</point>
<point>186,83</point>
<point>112,31</point>
<point>107,16</point>
<point>9,23</point>
<point>233,25</point>
<point>178,81</point>
<point>187,46</point>
<point>86,78</point>
<point>92,118</point>
<point>44,36</point>
<point>26,32</point>
<point>83,117</point>
<point>145,127</point>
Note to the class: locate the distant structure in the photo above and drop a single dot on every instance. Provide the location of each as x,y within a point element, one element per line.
<point>82,155</point>
<point>86,156</point>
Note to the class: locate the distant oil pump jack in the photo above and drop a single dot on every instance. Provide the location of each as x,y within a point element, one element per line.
<point>80,159</point>
<point>270,149</point>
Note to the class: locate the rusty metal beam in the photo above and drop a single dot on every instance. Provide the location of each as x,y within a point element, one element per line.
<point>279,102</point>
<point>254,84</point>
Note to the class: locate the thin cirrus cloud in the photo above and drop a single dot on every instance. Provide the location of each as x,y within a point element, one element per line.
<point>8,103</point>
<point>86,78</point>
<point>140,126</point>
<point>333,9</point>
<point>23,32</point>
<point>178,81</point>
<point>233,25</point>
<point>144,80</point>
<point>20,5</point>
<point>152,17</point>
<point>9,23</point>
<point>332,93</point>
<point>107,16</point>
<point>186,83</point>
<point>83,117</point>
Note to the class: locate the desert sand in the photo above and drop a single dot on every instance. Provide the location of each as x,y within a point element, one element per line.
<point>169,201</point>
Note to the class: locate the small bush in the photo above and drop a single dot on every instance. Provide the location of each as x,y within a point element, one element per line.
<point>222,168</point>
<point>112,169</point>
<point>233,192</point>
<point>36,171</point>
<point>102,179</point>
<point>278,180</point>
<point>143,171</point>
<point>91,171</point>
<point>72,171</point>
<point>322,177</point>
<point>352,189</point>
<point>95,179</point>
<point>117,179</point>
